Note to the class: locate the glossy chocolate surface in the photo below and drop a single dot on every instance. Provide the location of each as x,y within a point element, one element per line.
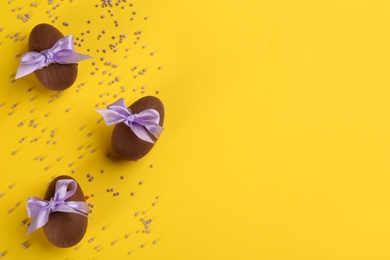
<point>124,142</point>
<point>55,76</point>
<point>65,229</point>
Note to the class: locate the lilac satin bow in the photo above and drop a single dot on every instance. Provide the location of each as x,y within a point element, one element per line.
<point>141,123</point>
<point>39,209</point>
<point>62,52</point>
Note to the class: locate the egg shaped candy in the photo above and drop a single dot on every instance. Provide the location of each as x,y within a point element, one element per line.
<point>125,143</point>
<point>137,127</point>
<point>51,57</point>
<point>65,229</point>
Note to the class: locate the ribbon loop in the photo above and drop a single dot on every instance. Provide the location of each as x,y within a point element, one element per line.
<point>62,52</point>
<point>140,123</point>
<point>40,210</point>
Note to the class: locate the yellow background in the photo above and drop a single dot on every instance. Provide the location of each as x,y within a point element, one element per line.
<point>276,140</point>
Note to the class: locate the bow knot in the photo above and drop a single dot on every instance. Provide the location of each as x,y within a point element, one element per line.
<point>40,210</point>
<point>52,205</point>
<point>62,52</point>
<point>140,123</point>
<point>130,118</point>
<point>48,54</point>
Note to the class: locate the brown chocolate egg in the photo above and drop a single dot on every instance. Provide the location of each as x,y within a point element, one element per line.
<point>123,140</point>
<point>55,76</point>
<point>65,229</point>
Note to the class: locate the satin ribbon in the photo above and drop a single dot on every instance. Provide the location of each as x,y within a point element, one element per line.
<point>62,52</point>
<point>140,123</point>
<point>40,210</point>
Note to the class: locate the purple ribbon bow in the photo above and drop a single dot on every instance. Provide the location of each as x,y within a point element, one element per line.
<point>39,209</point>
<point>62,52</point>
<point>141,123</point>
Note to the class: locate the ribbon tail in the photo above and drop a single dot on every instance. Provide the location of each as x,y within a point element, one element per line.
<point>75,58</point>
<point>80,56</point>
<point>141,132</point>
<point>29,63</point>
<point>110,117</point>
<point>39,220</point>
<point>155,130</point>
<point>74,207</point>
<point>25,69</point>
<point>78,207</point>
<point>82,212</point>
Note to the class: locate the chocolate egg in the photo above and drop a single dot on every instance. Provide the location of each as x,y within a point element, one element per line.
<point>123,140</point>
<point>65,229</point>
<point>55,76</point>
